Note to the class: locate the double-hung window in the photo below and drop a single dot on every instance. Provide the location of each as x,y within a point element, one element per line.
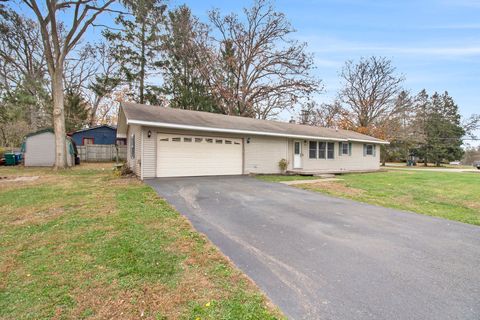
<point>345,150</point>
<point>330,150</point>
<point>322,150</point>
<point>369,150</point>
<point>312,151</point>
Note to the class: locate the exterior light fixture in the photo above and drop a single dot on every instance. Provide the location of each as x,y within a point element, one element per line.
<point>149,134</point>
<point>248,140</point>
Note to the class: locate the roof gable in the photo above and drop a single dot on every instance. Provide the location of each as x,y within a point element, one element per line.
<point>95,127</point>
<point>31,134</point>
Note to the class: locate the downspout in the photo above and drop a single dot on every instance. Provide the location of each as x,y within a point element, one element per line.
<point>243,155</point>
<point>141,155</point>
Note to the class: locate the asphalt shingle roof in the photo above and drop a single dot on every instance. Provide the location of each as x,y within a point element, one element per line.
<point>165,117</point>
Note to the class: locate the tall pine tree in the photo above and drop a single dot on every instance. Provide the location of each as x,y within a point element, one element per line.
<point>183,83</point>
<point>442,130</point>
<point>137,46</point>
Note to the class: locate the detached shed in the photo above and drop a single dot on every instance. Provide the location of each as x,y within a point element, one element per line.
<point>39,149</point>
<point>102,134</point>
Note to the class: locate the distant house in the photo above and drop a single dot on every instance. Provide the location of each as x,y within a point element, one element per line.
<point>167,142</point>
<point>102,134</point>
<point>39,149</point>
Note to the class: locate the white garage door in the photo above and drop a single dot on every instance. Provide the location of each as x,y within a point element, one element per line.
<point>182,155</point>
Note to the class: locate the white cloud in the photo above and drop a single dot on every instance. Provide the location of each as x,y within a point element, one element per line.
<point>327,63</point>
<point>321,45</point>
<point>429,51</point>
<point>466,26</point>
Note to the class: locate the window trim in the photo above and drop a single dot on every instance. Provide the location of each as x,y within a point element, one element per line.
<point>348,149</point>
<point>329,143</point>
<point>372,148</point>
<point>315,143</point>
<point>324,156</point>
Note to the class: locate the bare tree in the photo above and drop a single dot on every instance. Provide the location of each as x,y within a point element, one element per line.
<point>80,68</point>
<point>23,67</point>
<point>20,50</point>
<point>471,124</point>
<point>329,115</point>
<point>83,14</point>
<point>106,80</point>
<point>370,88</point>
<point>257,70</point>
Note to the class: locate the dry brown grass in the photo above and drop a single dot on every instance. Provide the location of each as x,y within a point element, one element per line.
<point>57,241</point>
<point>332,187</point>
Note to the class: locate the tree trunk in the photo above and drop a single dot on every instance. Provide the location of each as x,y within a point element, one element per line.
<point>59,118</point>
<point>142,66</point>
<point>93,113</point>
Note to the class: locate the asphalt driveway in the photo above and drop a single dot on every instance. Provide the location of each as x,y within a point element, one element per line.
<point>319,257</point>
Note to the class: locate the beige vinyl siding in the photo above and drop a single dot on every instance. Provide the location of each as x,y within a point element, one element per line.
<point>193,132</point>
<point>138,151</point>
<point>40,150</point>
<point>354,162</point>
<point>262,154</point>
<point>134,163</point>
<point>149,156</point>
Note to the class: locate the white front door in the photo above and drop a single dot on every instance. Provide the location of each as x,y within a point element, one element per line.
<point>297,154</point>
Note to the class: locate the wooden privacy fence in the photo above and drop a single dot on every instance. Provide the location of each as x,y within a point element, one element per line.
<point>101,152</point>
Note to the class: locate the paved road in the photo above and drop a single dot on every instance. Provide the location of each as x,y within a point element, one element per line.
<point>319,257</point>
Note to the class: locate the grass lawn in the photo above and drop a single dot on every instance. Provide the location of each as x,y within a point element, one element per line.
<point>454,196</point>
<point>430,166</point>
<point>82,243</point>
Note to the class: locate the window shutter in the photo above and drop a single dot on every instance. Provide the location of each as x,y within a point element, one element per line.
<point>374,150</point>
<point>364,150</point>
<point>349,148</point>
<point>340,148</point>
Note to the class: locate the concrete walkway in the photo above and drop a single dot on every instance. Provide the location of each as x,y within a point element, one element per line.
<point>295,182</point>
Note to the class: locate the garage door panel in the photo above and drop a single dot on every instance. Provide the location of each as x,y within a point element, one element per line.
<point>182,155</point>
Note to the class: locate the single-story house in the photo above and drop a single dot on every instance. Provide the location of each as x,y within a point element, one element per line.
<point>39,149</point>
<point>102,134</point>
<point>167,142</point>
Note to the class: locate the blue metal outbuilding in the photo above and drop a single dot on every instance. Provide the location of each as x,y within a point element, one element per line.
<point>103,134</point>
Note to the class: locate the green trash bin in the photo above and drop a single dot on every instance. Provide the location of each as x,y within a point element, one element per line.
<point>10,159</point>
